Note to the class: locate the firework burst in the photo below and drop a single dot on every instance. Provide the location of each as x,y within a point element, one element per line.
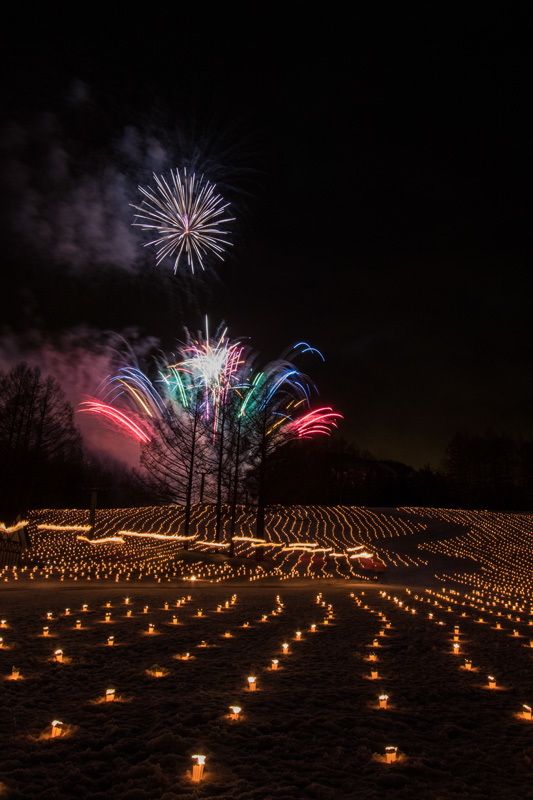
<point>186,216</point>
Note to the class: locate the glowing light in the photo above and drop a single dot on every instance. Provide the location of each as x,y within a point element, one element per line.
<point>57,728</point>
<point>117,417</point>
<point>12,528</point>
<point>198,768</point>
<point>318,421</point>
<point>164,536</point>
<point>186,217</point>
<point>105,540</point>
<point>46,527</point>
<point>390,754</point>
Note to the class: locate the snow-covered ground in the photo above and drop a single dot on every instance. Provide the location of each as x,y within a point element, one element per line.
<point>311,730</point>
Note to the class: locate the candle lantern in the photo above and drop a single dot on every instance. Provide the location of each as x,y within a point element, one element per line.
<point>166,606</point>
<point>456,648</point>
<point>46,631</point>
<point>108,604</point>
<point>382,633</point>
<point>375,643</point>
<point>383,700</point>
<point>285,648</point>
<point>390,754</point>
<point>526,712</point>
<point>198,769</point>
<point>78,624</point>
<point>111,641</point>
<point>126,600</point>
<point>145,610</point>
<point>84,607</point>
<point>1,642</point>
<point>275,663</point>
<point>374,674</point>
<point>298,635</point>
<point>49,615</point>
<point>372,657</point>
<point>468,665</point>
<point>200,612</point>
<point>57,728</point>
<point>109,695</point>
<point>219,609</point>
<point>174,620</point>
<point>492,682</point>
<point>67,612</point>
<point>516,633</point>
<point>128,612</point>
<point>151,627</point>
<point>227,635</point>
<point>252,685</point>
<point>59,655</point>
<point>313,628</point>
<point>235,711</point>
<point>15,673</point>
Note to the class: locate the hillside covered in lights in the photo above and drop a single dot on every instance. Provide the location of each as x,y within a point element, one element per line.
<point>477,550</point>
<point>128,656</point>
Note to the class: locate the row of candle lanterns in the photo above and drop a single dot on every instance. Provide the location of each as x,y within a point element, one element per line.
<point>491,679</point>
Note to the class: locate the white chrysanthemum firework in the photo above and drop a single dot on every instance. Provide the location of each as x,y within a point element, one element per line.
<point>187,217</point>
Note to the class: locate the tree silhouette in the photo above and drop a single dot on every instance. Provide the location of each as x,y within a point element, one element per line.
<point>39,442</point>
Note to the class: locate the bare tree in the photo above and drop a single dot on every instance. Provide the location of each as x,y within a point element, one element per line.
<point>37,431</point>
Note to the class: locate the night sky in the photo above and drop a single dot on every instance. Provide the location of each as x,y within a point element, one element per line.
<point>377,170</point>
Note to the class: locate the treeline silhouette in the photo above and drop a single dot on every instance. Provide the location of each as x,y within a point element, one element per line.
<point>490,471</point>
<point>43,463</point>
